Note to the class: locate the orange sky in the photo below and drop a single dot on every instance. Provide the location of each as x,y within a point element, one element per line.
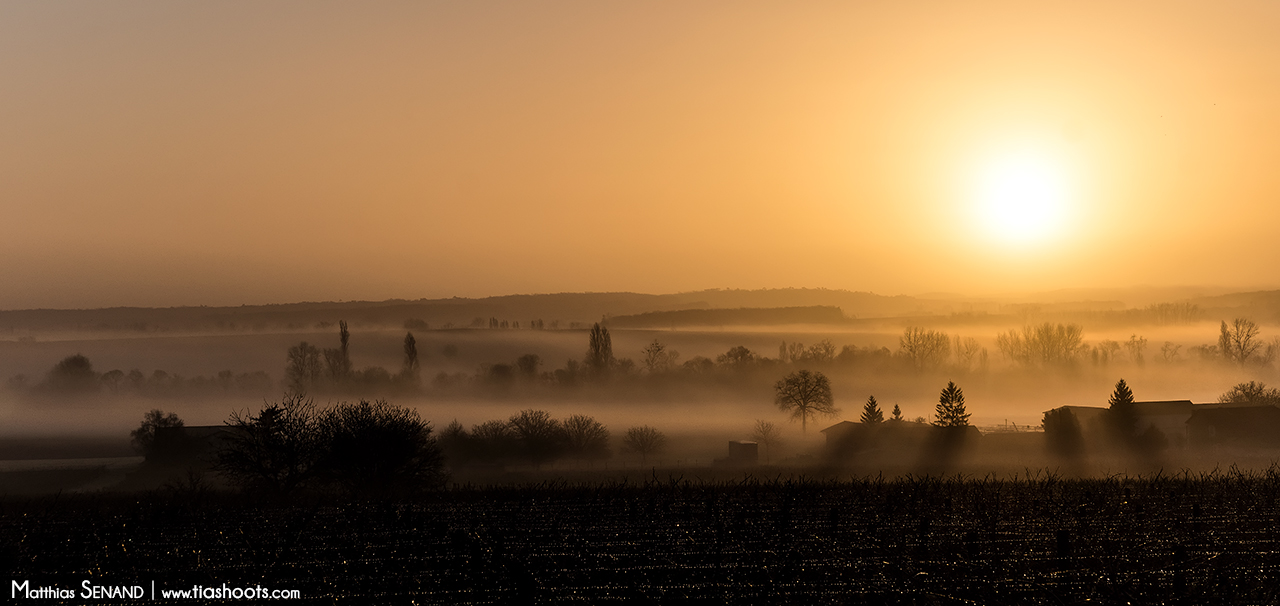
<point>162,153</point>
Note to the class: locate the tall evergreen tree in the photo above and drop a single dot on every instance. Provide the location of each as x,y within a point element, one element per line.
<point>871,411</point>
<point>951,411</point>
<point>1121,413</point>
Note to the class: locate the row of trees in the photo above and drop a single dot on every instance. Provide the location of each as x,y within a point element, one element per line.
<point>308,368</point>
<point>534,437</point>
<point>362,448</point>
<point>1055,345</point>
<point>75,375</point>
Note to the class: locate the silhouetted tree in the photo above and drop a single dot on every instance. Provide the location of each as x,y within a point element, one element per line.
<point>738,357</point>
<point>967,351</point>
<point>768,435</point>
<point>378,449</point>
<point>871,411</point>
<point>657,358</point>
<point>644,441</point>
<point>950,411</point>
<point>1255,393</point>
<point>541,437</point>
<point>1136,346</point>
<point>585,438</point>
<point>274,452</point>
<point>925,348</point>
<point>144,437</point>
<point>337,362</point>
<point>1238,341</point>
<point>1062,434</point>
<point>494,441</point>
<point>528,365</point>
<point>112,380</point>
<point>822,352</point>
<point>805,394</point>
<point>1122,415</point>
<point>599,358</point>
<point>303,368</point>
<point>73,374</point>
<point>1043,345</point>
<point>457,445</point>
<point>897,414</point>
<point>410,355</point>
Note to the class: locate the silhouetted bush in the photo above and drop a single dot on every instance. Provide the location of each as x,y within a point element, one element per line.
<point>378,449</point>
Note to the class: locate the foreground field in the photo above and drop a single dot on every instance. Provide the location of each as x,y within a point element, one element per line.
<point>1039,540</point>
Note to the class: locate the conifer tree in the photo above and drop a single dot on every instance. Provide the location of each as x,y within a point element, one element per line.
<point>951,411</point>
<point>871,411</point>
<point>1121,413</point>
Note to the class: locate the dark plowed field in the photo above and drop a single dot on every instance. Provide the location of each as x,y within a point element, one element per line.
<point>1188,539</point>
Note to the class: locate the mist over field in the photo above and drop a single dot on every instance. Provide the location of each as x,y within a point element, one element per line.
<point>710,381</point>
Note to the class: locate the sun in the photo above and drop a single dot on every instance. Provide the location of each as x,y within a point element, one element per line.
<point>1021,198</point>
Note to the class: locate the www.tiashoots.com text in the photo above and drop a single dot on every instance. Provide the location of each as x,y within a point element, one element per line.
<point>90,591</point>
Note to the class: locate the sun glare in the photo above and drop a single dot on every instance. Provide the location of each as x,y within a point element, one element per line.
<point>1021,198</point>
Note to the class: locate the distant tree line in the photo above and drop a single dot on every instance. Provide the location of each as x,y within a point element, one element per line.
<point>75,375</point>
<point>534,437</point>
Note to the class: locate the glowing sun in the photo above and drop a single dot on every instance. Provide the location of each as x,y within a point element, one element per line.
<point>1021,198</point>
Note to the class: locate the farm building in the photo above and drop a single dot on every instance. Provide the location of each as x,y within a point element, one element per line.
<point>1185,423</point>
<point>1234,425</point>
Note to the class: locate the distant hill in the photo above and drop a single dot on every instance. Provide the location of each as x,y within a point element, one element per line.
<point>1260,306</point>
<point>565,309</point>
<point>577,309</point>
<point>756,316</point>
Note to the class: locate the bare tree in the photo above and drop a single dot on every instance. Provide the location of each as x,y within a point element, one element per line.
<point>586,438</point>
<point>1169,351</point>
<point>1135,346</point>
<point>768,435</point>
<point>275,451</point>
<point>378,449</point>
<point>822,352</point>
<point>1255,393</point>
<point>541,437</point>
<point>738,358</point>
<point>658,358</point>
<point>1238,341</point>
<point>925,348</point>
<point>805,394</point>
<point>966,351</point>
<point>599,358</point>
<point>303,368</point>
<point>644,441</point>
<point>1043,345</point>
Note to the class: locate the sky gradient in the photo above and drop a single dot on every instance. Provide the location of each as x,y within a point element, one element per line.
<point>160,153</point>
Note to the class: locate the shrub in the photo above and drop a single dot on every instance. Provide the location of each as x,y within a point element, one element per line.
<point>377,449</point>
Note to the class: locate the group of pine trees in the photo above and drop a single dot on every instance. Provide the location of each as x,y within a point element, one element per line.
<point>950,411</point>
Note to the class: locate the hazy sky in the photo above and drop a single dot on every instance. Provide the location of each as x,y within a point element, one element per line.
<point>179,153</point>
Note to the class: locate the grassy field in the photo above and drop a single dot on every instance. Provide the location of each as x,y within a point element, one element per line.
<point>1206,538</point>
